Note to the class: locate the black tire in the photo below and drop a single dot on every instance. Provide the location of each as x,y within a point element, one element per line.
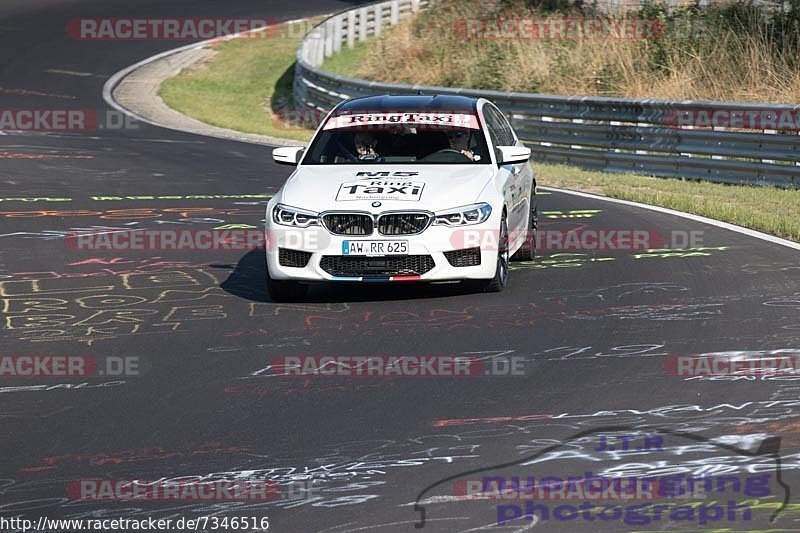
<point>528,250</point>
<point>285,291</point>
<point>500,279</point>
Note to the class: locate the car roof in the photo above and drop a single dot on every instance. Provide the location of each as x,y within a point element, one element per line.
<point>408,103</point>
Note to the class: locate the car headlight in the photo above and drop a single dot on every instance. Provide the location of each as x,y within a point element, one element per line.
<point>464,216</point>
<point>292,216</point>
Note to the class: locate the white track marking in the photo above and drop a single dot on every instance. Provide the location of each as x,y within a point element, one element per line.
<point>68,72</point>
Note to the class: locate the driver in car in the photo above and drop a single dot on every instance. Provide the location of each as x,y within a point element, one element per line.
<point>459,140</point>
<point>365,145</point>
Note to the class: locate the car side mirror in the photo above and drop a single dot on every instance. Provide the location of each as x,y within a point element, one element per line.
<point>512,155</point>
<point>288,155</point>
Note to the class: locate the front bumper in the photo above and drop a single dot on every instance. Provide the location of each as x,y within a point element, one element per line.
<point>433,242</point>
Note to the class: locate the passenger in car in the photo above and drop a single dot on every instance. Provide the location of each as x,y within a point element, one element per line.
<point>459,140</point>
<point>365,145</point>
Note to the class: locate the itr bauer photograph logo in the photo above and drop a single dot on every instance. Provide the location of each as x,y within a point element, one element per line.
<point>619,478</point>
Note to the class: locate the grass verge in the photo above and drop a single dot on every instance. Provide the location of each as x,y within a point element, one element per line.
<point>342,63</point>
<point>248,79</point>
<point>242,86</point>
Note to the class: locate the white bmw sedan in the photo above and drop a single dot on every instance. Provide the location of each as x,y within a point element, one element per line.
<point>402,189</point>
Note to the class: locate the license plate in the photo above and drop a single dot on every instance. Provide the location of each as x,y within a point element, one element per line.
<point>375,248</point>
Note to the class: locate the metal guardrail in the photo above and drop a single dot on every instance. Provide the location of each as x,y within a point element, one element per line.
<point>612,134</point>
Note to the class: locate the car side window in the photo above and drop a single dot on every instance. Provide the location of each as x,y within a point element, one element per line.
<point>507,129</point>
<point>499,132</point>
<point>491,125</point>
<point>498,122</point>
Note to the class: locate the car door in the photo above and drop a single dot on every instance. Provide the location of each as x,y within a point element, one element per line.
<point>511,176</point>
<point>524,176</point>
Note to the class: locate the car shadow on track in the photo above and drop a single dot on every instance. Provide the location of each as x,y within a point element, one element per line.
<point>248,281</point>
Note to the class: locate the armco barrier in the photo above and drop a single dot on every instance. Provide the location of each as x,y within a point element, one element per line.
<point>613,134</point>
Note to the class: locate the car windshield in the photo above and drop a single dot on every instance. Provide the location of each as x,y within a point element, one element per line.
<point>440,138</point>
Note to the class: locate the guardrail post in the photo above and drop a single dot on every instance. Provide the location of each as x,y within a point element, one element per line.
<point>769,132</point>
<point>616,123</point>
<point>394,14</point>
<point>687,127</point>
<point>351,29</point>
<point>641,152</point>
<point>719,128</point>
<point>337,35</point>
<point>363,15</point>
<point>577,121</point>
<point>313,46</point>
<point>378,19</point>
<point>319,47</point>
<point>546,119</point>
<point>328,38</point>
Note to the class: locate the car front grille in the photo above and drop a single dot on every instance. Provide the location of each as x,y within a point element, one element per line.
<point>403,223</point>
<point>401,265</point>
<point>464,258</point>
<point>293,258</point>
<point>348,223</point>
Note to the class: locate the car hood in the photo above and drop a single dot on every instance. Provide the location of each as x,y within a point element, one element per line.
<point>354,187</point>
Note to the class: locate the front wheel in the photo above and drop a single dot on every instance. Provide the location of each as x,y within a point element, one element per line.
<point>285,291</point>
<point>500,279</point>
<point>528,249</point>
